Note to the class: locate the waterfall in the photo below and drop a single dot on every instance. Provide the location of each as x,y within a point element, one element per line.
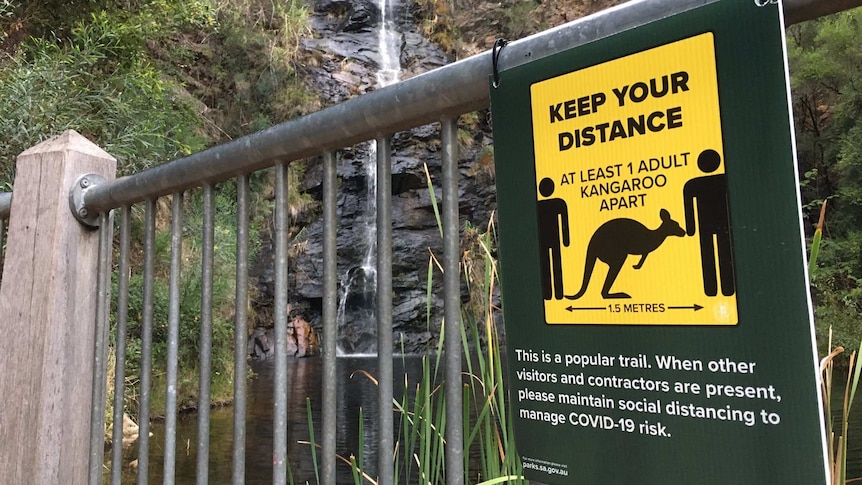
<point>389,44</point>
<point>359,285</point>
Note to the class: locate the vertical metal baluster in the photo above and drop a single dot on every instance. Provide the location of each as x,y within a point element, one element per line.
<point>452,305</point>
<point>385,460</point>
<point>120,349</point>
<point>240,331</point>
<point>2,252</point>
<point>206,336</point>
<point>330,311</point>
<point>146,344</point>
<point>100,353</point>
<point>173,338</point>
<point>279,456</point>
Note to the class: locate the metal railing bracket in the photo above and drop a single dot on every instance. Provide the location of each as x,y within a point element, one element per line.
<point>76,199</point>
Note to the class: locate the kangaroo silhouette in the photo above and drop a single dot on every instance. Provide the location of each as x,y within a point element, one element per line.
<point>615,240</point>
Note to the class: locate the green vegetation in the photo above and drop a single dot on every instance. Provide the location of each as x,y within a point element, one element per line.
<point>487,424</point>
<point>436,21</point>
<point>825,65</point>
<point>836,440</point>
<point>147,80</point>
<point>97,81</point>
<point>151,81</point>
<point>517,19</point>
<point>190,300</point>
<point>838,421</point>
<point>485,394</point>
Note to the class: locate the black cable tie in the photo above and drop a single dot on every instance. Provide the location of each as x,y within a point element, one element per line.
<point>495,59</point>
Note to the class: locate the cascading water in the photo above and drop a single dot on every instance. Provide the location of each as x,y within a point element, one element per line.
<point>359,284</point>
<point>389,42</point>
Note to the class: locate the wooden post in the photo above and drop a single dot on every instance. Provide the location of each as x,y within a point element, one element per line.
<point>48,316</point>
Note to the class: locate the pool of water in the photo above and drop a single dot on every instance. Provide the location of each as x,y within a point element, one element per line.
<point>854,431</point>
<point>356,392</point>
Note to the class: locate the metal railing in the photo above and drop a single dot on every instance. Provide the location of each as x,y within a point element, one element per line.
<point>437,96</point>
<point>5,205</point>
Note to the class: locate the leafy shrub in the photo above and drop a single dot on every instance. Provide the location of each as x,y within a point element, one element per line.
<point>101,85</point>
<point>825,64</point>
<point>151,81</point>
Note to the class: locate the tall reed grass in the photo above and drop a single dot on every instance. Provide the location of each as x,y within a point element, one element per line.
<point>837,420</point>
<point>490,456</point>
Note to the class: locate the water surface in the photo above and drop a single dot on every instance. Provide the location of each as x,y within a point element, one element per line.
<point>304,378</point>
<point>355,391</point>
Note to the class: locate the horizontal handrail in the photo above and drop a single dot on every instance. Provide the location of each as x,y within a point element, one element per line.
<point>450,90</point>
<point>796,11</point>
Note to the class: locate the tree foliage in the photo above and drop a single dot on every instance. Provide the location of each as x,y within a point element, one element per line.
<point>151,81</point>
<point>90,71</point>
<point>826,68</point>
<point>148,80</point>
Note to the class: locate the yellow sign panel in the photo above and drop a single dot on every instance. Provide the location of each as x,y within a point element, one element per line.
<point>634,223</point>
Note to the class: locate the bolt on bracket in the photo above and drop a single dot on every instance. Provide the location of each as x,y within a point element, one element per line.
<point>76,199</point>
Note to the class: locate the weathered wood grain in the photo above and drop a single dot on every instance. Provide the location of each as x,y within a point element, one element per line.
<point>48,314</point>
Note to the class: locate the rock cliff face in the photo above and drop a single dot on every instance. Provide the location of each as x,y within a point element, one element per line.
<point>344,61</point>
<point>345,49</point>
<point>302,340</point>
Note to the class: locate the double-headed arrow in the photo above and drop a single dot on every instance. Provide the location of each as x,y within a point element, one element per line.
<point>694,307</point>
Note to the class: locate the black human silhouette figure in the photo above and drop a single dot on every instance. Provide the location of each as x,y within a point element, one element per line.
<point>553,224</point>
<point>615,240</point>
<point>708,195</point>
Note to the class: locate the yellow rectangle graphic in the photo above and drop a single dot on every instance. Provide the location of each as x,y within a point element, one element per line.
<point>631,187</point>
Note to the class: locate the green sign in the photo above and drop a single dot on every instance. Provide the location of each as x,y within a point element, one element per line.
<point>657,313</point>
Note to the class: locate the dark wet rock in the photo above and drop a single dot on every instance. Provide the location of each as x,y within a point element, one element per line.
<point>301,340</point>
<point>260,343</point>
<point>345,43</point>
<point>364,17</point>
<point>350,15</point>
